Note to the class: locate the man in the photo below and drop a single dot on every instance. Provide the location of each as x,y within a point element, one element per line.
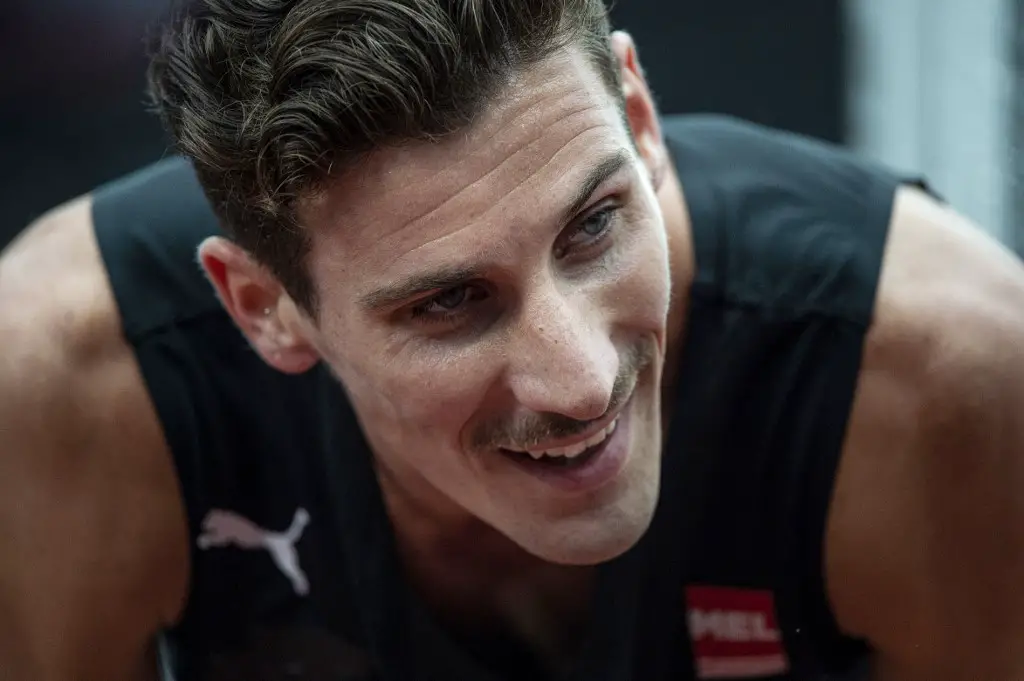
<point>508,379</point>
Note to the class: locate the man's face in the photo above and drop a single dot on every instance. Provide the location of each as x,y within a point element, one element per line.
<point>503,294</point>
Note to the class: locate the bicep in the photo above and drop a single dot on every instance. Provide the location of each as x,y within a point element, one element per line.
<point>927,529</point>
<point>93,548</point>
<point>82,581</point>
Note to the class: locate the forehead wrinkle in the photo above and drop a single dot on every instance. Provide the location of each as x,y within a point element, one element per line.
<point>481,217</point>
<point>479,259</point>
<point>523,148</point>
<point>394,234</point>
<point>490,137</point>
<point>564,149</point>
<point>506,240</point>
<point>364,204</point>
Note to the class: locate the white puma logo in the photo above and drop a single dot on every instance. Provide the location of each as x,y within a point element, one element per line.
<point>224,528</point>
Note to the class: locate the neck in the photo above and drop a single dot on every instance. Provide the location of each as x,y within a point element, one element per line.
<point>426,522</point>
<point>478,583</point>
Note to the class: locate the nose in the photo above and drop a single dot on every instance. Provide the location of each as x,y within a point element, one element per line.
<point>562,360</point>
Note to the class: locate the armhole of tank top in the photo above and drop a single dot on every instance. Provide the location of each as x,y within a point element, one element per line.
<point>702,208</point>
<point>136,247</point>
<point>110,248</point>
<point>821,477</point>
<point>163,385</point>
<point>810,582</point>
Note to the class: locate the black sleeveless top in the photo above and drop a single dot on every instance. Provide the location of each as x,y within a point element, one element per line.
<point>294,570</point>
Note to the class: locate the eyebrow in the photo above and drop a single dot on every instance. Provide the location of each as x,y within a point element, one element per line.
<point>438,280</point>
<point>597,176</point>
<point>450,277</point>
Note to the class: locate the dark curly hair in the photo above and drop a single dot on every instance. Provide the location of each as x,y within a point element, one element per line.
<point>268,98</point>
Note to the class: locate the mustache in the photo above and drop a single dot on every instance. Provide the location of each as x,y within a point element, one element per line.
<point>528,432</point>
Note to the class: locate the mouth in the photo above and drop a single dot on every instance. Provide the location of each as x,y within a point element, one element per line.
<point>584,463</point>
<point>568,452</point>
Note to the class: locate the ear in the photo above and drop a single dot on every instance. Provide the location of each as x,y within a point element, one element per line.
<point>641,112</point>
<point>259,306</point>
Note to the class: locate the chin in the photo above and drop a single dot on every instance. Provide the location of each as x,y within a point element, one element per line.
<point>614,518</point>
<point>599,538</point>
<point>587,553</point>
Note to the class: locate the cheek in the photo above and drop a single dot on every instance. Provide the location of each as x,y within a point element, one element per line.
<point>421,392</point>
<point>406,391</point>
<point>642,292</point>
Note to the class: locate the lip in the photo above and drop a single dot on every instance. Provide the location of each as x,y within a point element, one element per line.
<point>595,472</point>
<point>598,426</point>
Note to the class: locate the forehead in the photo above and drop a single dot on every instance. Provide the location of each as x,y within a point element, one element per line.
<point>409,205</point>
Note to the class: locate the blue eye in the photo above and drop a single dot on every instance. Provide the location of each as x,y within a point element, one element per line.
<point>451,299</point>
<point>588,232</point>
<point>597,223</point>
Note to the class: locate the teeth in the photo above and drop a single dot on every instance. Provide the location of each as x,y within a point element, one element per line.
<point>575,450</point>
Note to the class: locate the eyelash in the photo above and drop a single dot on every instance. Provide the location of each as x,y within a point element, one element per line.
<point>609,212</point>
<point>421,314</point>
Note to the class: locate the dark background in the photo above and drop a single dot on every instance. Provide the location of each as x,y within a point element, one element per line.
<point>71,79</point>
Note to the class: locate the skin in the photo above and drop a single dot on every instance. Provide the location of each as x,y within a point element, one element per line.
<point>84,581</point>
<point>546,327</point>
<point>925,541</point>
<point>923,547</point>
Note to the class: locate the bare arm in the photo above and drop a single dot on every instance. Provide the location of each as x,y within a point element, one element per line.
<point>93,556</point>
<point>926,535</point>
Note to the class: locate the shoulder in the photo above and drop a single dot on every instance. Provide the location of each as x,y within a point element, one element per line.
<point>56,311</point>
<point>86,483</point>
<point>925,513</point>
<point>166,189</point>
<point>745,146</point>
<point>148,225</point>
<point>949,315</point>
<point>952,288</point>
<point>766,168</point>
<point>799,223</point>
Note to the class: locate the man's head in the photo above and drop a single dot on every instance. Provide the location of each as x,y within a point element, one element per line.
<point>451,203</point>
